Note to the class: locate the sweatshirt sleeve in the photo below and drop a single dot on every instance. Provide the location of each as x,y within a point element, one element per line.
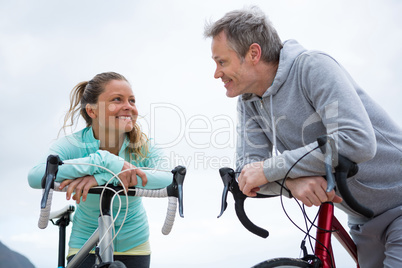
<point>332,93</point>
<point>77,163</point>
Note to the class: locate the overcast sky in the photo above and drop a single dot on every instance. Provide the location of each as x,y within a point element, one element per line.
<point>47,47</point>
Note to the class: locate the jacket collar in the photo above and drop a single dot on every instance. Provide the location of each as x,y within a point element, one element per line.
<point>90,141</point>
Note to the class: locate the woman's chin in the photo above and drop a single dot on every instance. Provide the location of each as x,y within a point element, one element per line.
<point>128,128</point>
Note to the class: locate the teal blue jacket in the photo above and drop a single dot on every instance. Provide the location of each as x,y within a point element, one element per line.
<point>82,147</point>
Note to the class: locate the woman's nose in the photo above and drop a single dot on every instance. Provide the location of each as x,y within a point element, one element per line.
<point>128,105</point>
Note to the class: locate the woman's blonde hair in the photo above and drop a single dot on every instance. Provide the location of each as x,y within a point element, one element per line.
<point>88,92</point>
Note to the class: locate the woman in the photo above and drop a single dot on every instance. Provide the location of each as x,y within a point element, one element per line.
<point>112,139</point>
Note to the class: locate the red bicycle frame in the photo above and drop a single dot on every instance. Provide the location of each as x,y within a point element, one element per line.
<point>328,224</point>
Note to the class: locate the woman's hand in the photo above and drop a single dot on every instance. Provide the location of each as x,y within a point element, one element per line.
<point>311,191</point>
<point>80,186</point>
<point>129,177</point>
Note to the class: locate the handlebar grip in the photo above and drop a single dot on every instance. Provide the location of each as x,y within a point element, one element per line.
<point>156,193</point>
<point>170,215</point>
<point>172,205</point>
<point>241,214</point>
<point>345,169</point>
<point>45,212</point>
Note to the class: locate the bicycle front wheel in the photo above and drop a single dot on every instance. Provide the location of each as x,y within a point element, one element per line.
<point>283,263</point>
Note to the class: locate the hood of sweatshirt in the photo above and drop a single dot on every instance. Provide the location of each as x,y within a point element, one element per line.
<point>290,51</point>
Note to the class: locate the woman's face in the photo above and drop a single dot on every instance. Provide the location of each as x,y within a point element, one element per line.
<point>116,110</point>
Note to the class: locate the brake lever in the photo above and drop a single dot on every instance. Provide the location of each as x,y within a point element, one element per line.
<point>230,184</point>
<point>179,173</point>
<point>52,167</point>
<point>227,175</point>
<point>327,147</point>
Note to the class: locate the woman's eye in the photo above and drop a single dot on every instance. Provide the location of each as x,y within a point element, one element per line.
<point>116,99</point>
<point>132,101</point>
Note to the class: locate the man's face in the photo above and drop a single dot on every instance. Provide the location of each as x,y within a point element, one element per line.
<point>235,73</point>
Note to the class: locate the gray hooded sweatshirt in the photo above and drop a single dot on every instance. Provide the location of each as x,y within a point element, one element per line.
<point>313,95</point>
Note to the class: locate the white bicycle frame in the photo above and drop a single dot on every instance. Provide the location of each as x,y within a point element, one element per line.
<point>103,235</point>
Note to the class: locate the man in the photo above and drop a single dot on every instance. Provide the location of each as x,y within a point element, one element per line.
<point>288,97</point>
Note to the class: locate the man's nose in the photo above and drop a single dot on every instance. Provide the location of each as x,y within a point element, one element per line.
<point>218,73</point>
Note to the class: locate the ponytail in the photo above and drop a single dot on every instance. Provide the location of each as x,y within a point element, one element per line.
<point>76,107</point>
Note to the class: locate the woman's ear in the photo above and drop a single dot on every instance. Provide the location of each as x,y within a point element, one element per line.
<point>90,109</point>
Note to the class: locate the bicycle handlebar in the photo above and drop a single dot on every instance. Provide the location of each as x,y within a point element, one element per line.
<point>174,192</point>
<point>343,170</point>
<point>230,184</point>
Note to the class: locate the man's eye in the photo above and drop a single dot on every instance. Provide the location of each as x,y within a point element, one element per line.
<point>221,63</point>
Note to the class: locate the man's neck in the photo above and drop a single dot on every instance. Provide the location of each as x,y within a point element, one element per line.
<point>267,72</point>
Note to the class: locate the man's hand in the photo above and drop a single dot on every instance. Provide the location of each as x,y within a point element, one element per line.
<point>251,177</point>
<point>311,191</point>
<point>129,177</point>
<point>80,186</point>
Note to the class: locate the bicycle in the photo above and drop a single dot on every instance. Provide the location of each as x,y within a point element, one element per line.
<point>102,238</point>
<point>327,223</point>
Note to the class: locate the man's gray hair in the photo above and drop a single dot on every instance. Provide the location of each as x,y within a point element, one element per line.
<point>245,27</point>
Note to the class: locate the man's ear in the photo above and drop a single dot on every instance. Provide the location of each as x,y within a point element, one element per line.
<point>90,109</point>
<point>254,52</point>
